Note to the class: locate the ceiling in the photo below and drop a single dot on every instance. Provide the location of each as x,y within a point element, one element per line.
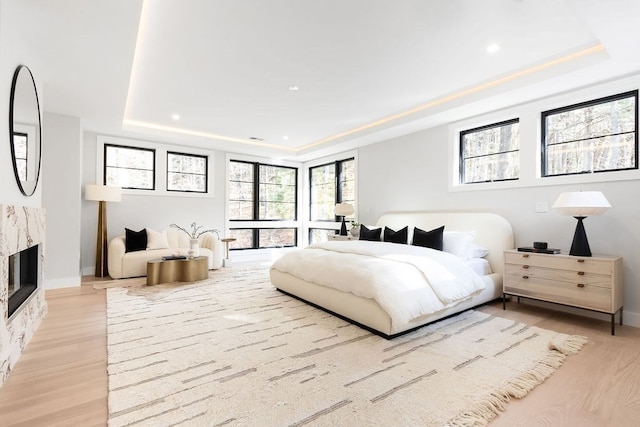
<point>365,70</point>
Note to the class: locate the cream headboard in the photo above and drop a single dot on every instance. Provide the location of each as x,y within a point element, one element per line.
<point>492,231</point>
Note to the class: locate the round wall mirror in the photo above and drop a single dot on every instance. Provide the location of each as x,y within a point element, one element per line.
<point>25,130</point>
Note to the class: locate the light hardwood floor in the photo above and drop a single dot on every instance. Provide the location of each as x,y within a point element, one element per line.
<point>61,378</point>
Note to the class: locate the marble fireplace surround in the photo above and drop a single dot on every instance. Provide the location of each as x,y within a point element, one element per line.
<point>21,227</point>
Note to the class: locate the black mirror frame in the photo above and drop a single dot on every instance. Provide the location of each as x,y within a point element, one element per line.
<point>11,130</point>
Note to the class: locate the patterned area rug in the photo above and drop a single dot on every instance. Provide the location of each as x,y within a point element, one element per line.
<point>232,350</point>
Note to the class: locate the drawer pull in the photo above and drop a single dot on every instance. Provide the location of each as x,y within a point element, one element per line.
<point>525,277</point>
<point>580,260</point>
<point>525,266</point>
<point>580,273</point>
<point>581,285</point>
<point>525,256</point>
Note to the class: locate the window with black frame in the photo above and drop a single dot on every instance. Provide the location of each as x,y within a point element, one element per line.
<point>21,148</point>
<point>129,167</point>
<point>490,153</point>
<point>266,194</point>
<point>186,172</point>
<point>591,137</point>
<point>329,184</point>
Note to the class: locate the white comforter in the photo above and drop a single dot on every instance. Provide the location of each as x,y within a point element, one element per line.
<point>406,281</point>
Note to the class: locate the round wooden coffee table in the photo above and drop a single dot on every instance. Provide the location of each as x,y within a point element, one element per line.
<point>177,270</point>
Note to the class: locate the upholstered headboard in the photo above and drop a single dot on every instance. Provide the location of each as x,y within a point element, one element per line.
<point>492,231</point>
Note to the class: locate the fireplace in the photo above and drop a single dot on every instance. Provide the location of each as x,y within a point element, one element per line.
<point>22,264</point>
<point>23,277</point>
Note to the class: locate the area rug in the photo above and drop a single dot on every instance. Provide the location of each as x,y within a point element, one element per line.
<point>232,350</point>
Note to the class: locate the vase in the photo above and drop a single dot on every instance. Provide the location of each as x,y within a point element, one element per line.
<point>355,231</point>
<point>194,248</point>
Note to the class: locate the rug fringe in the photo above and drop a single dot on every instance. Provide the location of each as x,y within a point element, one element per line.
<point>495,403</point>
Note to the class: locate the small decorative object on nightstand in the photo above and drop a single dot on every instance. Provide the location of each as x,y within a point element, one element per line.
<point>591,283</point>
<point>227,261</point>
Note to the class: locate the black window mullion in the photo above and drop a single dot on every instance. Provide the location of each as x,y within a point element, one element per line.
<point>256,194</point>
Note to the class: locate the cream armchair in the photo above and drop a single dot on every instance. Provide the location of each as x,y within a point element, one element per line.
<point>124,264</point>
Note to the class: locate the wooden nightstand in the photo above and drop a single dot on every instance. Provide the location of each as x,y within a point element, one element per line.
<point>339,237</point>
<point>592,283</point>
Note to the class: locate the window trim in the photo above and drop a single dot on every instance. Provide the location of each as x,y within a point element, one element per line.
<point>206,171</point>
<point>530,139</point>
<point>579,105</point>
<point>160,164</point>
<point>462,158</point>
<point>153,171</point>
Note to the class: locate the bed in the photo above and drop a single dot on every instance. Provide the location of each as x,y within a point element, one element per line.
<point>490,231</point>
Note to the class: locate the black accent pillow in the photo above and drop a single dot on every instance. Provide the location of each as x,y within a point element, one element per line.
<point>373,235</point>
<point>400,236</point>
<point>429,239</point>
<point>135,240</point>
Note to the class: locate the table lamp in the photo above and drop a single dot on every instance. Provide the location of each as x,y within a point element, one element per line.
<point>581,204</point>
<point>344,209</point>
<point>102,194</point>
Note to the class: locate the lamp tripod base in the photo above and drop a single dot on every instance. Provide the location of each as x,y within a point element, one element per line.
<point>580,244</point>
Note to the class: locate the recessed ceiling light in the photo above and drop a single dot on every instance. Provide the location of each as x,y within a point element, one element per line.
<point>293,88</point>
<point>175,116</point>
<point>493,48</point>
<point>285,137</point>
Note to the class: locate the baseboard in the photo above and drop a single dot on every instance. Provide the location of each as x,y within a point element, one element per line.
<point>67,282</point>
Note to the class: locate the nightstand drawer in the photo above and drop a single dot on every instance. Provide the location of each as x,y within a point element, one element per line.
<point>577,295</point>
<point>567,276</point>
<point>560,262</point>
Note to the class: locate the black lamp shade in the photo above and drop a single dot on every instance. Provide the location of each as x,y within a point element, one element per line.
<point>580,244</point>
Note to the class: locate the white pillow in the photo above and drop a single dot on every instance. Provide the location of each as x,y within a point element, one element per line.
<point>457,242</point>
<point>476,251</point>
<point>157,239</point>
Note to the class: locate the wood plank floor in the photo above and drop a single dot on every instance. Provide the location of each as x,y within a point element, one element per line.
<point>61,378</point>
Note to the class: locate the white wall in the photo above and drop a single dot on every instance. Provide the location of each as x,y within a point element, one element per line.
<point>143,211</point>
<point>62,147</point>
<point>411,173</point>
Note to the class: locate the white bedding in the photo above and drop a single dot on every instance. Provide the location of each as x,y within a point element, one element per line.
<point>406,281</point>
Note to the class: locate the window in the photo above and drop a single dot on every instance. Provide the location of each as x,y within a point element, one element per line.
<point>276,187</point>
<point>129,167</point>
<point>186,172</point>
<point>330,184</point>
<point>261,192</point>
<point>20,147</point>
<point>594,136</point>
<point>490,153</point>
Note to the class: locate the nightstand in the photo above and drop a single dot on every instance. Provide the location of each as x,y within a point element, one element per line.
<point>591,283</point>
<point>339,237</point>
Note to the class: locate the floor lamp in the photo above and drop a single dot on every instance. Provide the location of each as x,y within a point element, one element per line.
<point>102,194</point>
<point>581,204</point>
